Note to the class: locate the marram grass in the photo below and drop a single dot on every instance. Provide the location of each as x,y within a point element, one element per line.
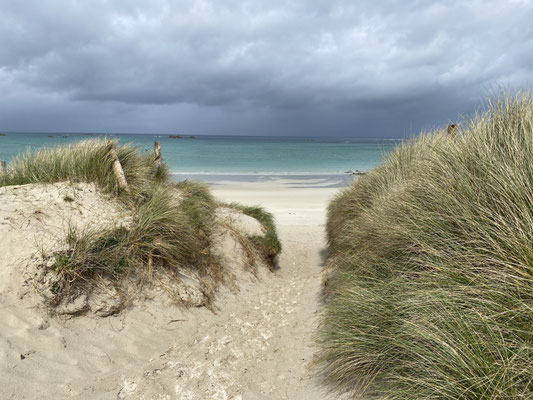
<point>431,291</point>
<point>86,161</point>
<point>268,244</point>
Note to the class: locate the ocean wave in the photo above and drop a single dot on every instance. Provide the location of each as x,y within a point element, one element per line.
<point>286,173</point>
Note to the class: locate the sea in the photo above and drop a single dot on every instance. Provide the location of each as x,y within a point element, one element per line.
<point>241,158</point>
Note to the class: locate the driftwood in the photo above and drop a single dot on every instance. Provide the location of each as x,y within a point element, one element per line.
<point>117,168</point>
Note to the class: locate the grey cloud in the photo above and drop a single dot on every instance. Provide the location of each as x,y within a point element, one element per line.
<point>227,66</point>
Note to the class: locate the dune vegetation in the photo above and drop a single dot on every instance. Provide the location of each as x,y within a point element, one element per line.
<point>167,225</point>
<point>269,242</point>
<point>430,289</point>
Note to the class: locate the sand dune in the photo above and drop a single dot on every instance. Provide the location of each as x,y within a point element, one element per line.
<point>256,344</point>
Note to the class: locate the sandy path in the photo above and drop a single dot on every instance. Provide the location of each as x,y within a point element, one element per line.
<point>260,345</point>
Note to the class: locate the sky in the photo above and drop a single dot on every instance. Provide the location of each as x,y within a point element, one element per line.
<point>292,68</point>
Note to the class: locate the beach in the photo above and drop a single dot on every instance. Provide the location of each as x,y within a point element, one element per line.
<point>257,342</point>
<point>251,200</point>
<point>124,279</point>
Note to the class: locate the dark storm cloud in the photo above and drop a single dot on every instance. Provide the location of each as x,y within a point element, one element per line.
<point>331,67</point>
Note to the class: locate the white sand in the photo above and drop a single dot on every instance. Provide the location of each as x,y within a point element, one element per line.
<point>257,346</point>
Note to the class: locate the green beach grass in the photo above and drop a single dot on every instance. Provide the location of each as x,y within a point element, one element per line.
<point>269,243</point>
<point>169,224</point>
<point>430,294</point>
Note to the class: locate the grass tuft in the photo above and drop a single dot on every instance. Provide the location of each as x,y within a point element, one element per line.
<point>431,254</point>
<point>268,244</point>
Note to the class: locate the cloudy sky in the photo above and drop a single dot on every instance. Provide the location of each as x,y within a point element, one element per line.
<point>303,67</point>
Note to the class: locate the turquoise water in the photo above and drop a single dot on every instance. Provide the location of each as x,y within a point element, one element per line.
<point>234,155</point>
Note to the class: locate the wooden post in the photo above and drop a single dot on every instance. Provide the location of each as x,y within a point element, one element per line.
<point>3,167</point>
<point>451,129</point>
<point>117,168</point>
<point>157,151</point>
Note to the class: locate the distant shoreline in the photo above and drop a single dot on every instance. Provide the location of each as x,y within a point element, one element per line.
<point>329,179</point>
